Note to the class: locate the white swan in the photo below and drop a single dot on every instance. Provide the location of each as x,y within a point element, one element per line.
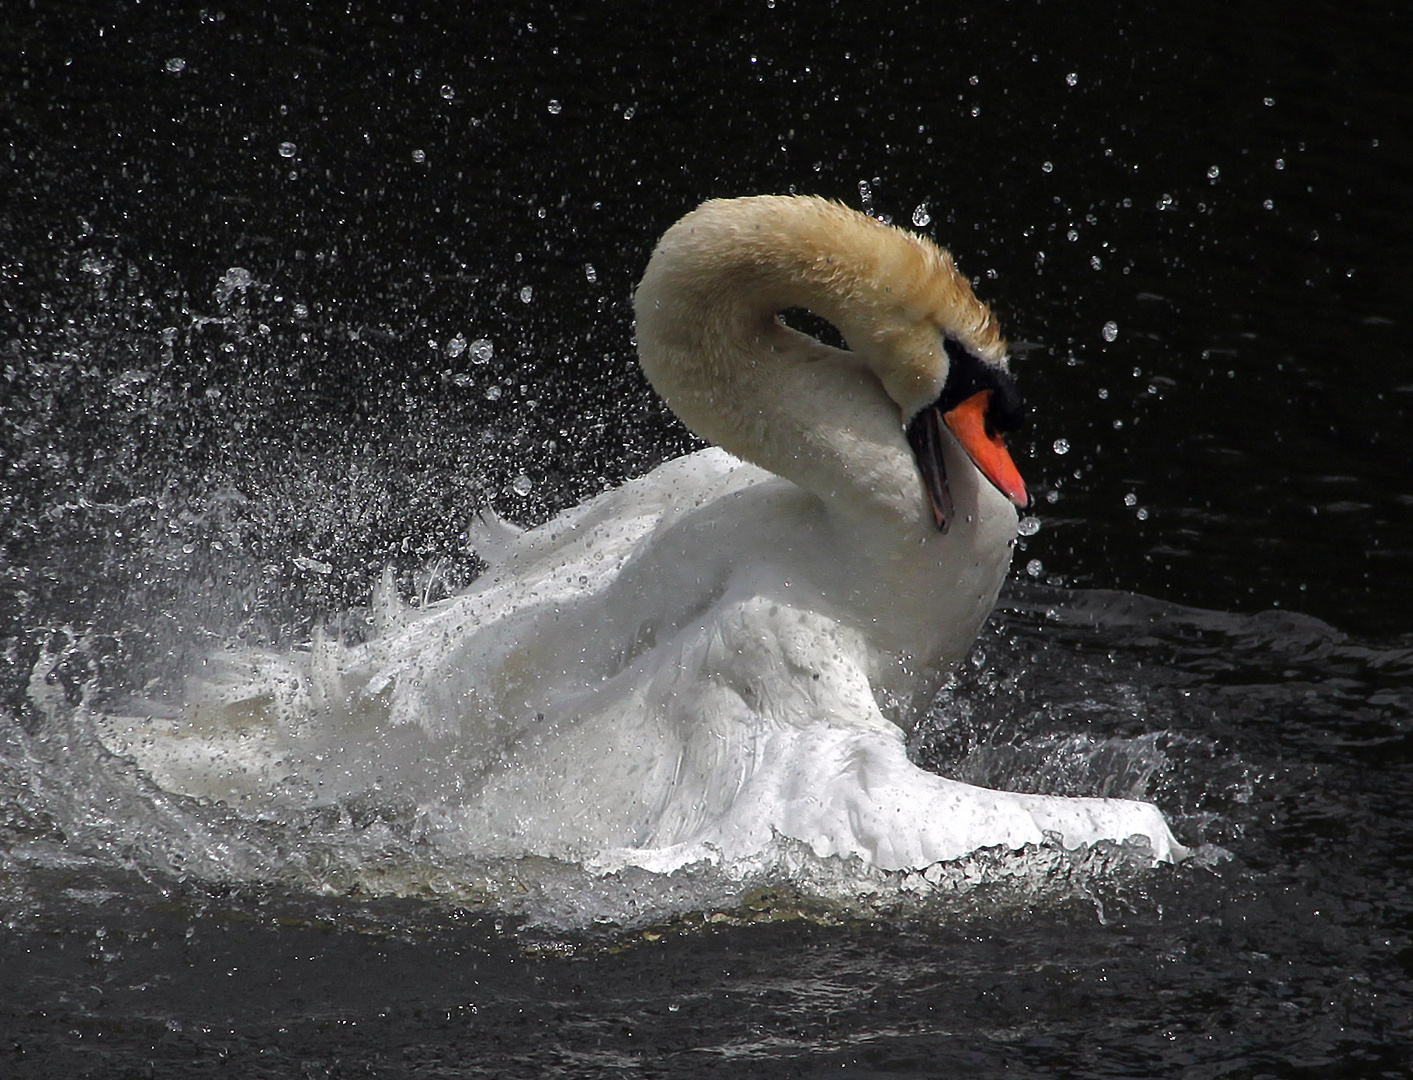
<point>729,648</point>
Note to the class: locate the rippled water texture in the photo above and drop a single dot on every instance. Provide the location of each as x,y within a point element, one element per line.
<point>285,300</point>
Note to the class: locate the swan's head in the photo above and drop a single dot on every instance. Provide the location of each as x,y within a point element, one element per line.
<point>939,354</point>
<point>978,403</point>
<point>710,342</point>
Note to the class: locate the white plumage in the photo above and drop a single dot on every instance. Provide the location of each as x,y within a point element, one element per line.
<point>729,648</point>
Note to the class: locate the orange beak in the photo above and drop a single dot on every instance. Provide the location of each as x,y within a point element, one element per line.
<point>987,450</point>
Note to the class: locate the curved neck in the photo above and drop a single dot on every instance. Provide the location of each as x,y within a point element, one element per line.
<point>831,421</point>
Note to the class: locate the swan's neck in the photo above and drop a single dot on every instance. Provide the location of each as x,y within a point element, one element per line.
<point>831,420</point>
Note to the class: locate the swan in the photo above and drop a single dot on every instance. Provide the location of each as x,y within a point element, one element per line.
<point>728,650</point>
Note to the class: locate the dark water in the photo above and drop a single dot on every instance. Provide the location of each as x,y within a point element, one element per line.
<point>240,378</point>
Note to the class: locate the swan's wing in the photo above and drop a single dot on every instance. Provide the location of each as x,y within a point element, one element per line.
<point>491,537</point>
<point>756,722</point>
<point>615,522</point>
<point>471,671</point>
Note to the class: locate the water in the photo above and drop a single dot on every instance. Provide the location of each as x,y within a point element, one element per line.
<point>231,397</point>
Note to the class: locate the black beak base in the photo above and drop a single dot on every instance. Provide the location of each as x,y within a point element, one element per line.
<point>925,437</point>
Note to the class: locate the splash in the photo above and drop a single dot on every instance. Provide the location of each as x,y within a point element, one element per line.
<point>78,802</point>
<point>172,559</point>
<point>73,808</point>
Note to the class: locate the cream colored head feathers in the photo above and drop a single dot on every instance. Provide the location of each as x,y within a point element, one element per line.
<point>892,294</point>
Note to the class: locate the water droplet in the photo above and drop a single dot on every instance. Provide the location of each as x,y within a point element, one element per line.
<point>630,112</point>
<point>1110,330</point>
<point>527,294</point>
<point>1280,163</point>
<point>590,274</point>
<point>1072,79</point>
<point>1028,526</point>
<point>128,381</point>
<point>522,485</point>
<point>175,64</point>
<point>554,107</point>
<point>1130,499</point>
<point>448,93</point>
<point>1072,235</point>
<point>1061,446</point>
<point>1269,101</point>
<point>921,218</point>
<point>493,392</point>
<point>288,149</point>
<point>1142,514</point>
<point>1213,172</point>
<point>1165,203</point>
<point>1035,568</point>
<point>419,156</point>
<point>234,280</point>
<point>1094,263</point>
<point>482,351</point>
<point>1047,166</point>
<point>456,346</point>
<point>1269,204</point>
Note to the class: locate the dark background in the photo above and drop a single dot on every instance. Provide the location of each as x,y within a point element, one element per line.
<point>1240,173</point>
<point>191,456</point>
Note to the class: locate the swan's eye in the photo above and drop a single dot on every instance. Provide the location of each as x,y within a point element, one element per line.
<point>807,322</point>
